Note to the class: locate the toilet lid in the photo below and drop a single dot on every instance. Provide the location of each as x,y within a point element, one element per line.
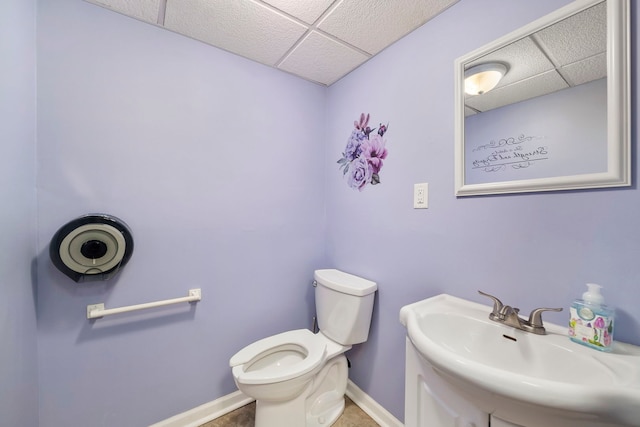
<point>301,339</point>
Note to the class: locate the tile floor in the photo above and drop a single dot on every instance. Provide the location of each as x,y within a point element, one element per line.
<point>352,416</point>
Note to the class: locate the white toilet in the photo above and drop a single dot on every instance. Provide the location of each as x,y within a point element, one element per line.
<point>299,378</point>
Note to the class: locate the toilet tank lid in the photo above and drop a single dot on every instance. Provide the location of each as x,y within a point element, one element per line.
<point>345,282</point>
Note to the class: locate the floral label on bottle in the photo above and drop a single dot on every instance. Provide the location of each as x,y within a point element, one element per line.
<point>589,328</point>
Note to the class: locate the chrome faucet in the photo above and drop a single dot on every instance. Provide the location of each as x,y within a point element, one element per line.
<point>510,316</point>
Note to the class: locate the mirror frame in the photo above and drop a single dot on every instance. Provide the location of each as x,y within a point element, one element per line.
<point>618,172</point>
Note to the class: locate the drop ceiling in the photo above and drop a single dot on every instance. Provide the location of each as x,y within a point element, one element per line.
<point>566,54</point>
<point>318,40</point>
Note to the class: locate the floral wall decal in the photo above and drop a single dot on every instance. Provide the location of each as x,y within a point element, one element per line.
<point>362,157</point>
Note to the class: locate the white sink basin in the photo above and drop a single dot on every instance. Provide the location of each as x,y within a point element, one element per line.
<point>507,371</point>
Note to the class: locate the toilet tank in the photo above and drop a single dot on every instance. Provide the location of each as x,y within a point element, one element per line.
<point>344,304</point>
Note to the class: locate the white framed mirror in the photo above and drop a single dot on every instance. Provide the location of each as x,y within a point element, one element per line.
<point>558,115</point>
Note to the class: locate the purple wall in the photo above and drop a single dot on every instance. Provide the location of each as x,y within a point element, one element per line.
<point>216,164</point>
<point>532,250</point>
<point>18,346</point>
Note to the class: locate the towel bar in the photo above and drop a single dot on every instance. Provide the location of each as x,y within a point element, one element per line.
<point>95,311</point>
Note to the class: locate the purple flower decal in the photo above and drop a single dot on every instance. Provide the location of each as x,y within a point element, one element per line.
<point>363,155</point>
<point>362,124</point>
<point>360,173</point>
<point>353,149</point>
<point>373,150</point>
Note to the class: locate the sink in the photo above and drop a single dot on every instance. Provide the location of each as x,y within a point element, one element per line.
<point>522,376</point>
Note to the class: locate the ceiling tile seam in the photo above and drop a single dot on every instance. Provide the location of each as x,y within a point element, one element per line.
<point>323,16</point>
<point>343,42</point>
<point>292,48</point>
<point>566,74</point>
<point>328,10</point>
<point>586,58</point>
<point>549,55</point>
<point>162,11</point>
<point>472,108</point>
<point>310,28</point>
<point>565,77</point>
<point>528,79</point>
<point>281,12</point>
<point>329,36</point>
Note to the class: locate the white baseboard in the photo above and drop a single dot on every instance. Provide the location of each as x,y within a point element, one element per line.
<point>371,407</point>
<point>210,411</point>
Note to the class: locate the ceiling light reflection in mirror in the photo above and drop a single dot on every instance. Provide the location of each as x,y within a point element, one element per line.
<point>566,54</point>
<point>482,78</point>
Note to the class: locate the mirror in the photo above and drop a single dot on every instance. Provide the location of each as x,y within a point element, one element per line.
<point>558,119</point>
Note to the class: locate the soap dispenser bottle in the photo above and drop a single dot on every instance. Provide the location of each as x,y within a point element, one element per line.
<point>591,322</point>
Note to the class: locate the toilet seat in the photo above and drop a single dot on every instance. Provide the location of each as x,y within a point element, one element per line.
<point>301,340</point>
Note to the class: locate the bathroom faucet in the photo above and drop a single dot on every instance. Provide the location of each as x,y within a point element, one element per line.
<point>509,316</point>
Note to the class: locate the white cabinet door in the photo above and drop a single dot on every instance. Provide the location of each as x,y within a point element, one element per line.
<point>430,401</point>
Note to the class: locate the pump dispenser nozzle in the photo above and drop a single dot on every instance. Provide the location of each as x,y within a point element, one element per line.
<point>593,295</point>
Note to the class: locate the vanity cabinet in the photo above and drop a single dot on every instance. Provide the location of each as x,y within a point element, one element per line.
<point>431,402</point>
<point>461,367</point>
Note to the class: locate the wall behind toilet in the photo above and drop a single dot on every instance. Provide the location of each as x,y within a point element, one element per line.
<point>531,250</point>
<point>216,164</point>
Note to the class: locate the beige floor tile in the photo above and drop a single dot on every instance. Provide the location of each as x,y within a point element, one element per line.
<point>352,416</point>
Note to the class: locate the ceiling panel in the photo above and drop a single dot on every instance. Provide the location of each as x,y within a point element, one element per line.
<point>246,28</point>
<point>145,10</point>
<point>372,25</point>
<point>322,59</point>
<point>307,11</point>
<point>318,40</point>
<point>589,26</point>
<point>580,72</point>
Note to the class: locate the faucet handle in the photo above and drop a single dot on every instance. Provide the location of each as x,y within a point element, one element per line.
<point>535,318</point>
<point>497,304</point>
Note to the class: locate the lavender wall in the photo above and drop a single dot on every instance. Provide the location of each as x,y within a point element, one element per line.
<point>531,250</point>
<point>216,164</point>
<point>18,362</point>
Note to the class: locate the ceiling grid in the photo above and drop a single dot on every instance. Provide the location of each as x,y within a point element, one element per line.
<point>319,40</point>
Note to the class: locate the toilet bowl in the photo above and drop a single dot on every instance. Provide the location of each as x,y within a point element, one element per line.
<point>278,367</point>
<point>299,378</point>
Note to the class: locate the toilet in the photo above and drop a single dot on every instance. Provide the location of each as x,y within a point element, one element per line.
<point>299,378</point>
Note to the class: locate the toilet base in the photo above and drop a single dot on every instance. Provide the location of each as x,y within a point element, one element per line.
<point>329,414</point>
<point>319,405</point>
<point>326,403</point>
<point>279,414</point>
